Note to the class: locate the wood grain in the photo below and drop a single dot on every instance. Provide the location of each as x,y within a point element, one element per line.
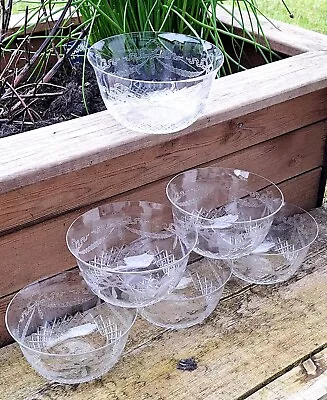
<point>306,381</point>
<point>73,145</point>
<point>302,190</point>
<point>247,340</point>
<point>5,338</point>
<point>75,189</point>
<point>40,250</point>
<point>284,38</point>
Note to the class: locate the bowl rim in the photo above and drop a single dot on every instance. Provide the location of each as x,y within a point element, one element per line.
<point>314,222</point>
<point>194,237</point>
<point>221,286</point>
<point>195,79</point>
<point>192,215</point>
<point>22,344</point>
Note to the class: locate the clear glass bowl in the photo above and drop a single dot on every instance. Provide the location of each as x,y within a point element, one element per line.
<point>231,209</point>
<point>280,256</point>
<point>155,82</point>
<point>65,332</point>
<point>130,253</point>
<point>195,297</point>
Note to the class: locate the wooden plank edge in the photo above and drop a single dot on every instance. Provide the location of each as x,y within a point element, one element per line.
<point>303,380</point>
<point>46,199</point>
<point>323,179</point>
<point>51,151</point>
<point>303,189</point>
<point>283,37</point>
<point>18,20</point>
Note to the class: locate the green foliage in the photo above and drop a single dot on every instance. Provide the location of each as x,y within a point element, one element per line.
<point>197,18</point>
<point>104,18</point>
<point>309,14</point>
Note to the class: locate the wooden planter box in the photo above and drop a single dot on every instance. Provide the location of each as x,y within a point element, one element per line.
<point>270,120</point>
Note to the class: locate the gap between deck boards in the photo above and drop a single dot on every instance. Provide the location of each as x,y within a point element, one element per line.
<point>282,372</point>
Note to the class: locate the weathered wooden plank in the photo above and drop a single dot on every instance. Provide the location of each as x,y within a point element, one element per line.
<point>248,339</point>
<point>302,190</point>
<point>306,381</point>
<point>284,38</point>
<point>5,338</point>
<point>40,250</point>
<point>95,183</point>
<point>52,151</point>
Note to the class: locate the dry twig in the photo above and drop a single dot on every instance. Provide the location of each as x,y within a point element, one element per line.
<point>21,100</point>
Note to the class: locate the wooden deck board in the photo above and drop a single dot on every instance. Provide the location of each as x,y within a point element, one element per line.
<point>302,151</point>
<point>306,381</point>
<point>284,38</point>
<point>249,338</point>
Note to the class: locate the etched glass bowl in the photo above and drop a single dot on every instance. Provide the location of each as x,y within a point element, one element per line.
<point>194,298</point>
<point>231,209</point>
<point>65,332</point>
<point>280,256</point>
<point>130,253</point>
<point>155,82</point>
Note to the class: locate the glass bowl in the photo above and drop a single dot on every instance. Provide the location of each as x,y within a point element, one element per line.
<point>65,332</point>
<point>155,82</point>
<point>280,256</point>
<point>130,253</point>
<point>231,209</point>
<point>194,298</point>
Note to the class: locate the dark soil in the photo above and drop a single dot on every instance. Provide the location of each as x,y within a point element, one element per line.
<point>67,106</point>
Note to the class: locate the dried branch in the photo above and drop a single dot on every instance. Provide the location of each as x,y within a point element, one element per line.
<point>22,110</point>
<point>47,77</point>
<point>48,17</point>
<point>21,100</point>
<point>27,67</point>
<point>9,121</point>
<point>5,17</point>
<point>32,85</point>
<point>27,42</point>
<point>41,95</point>
<point>13,59</point>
